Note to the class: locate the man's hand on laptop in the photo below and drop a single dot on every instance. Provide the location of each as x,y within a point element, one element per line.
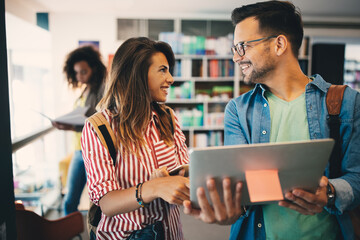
<point>307,203</point>
<point>223,213</point>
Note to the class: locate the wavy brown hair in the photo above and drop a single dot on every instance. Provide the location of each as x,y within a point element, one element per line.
<point>127,93</point>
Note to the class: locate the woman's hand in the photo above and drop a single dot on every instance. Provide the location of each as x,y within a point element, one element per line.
<point>172,189</point>
<point>62,126</point>
<point>160,172</point>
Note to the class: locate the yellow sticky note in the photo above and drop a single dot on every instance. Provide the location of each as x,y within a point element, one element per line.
<point>263,185</point>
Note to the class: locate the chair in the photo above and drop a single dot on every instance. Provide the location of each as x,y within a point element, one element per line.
<point>32,226</point>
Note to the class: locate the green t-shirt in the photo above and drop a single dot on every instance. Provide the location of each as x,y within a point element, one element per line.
<point>289,123</point>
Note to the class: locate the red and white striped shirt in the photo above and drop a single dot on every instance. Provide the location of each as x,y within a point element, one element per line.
<point>103,177</point>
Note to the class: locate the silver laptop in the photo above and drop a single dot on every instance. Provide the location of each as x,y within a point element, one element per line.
<point>300,165</point>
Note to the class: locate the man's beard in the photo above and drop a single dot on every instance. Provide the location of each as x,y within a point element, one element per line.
<point>257,76</point>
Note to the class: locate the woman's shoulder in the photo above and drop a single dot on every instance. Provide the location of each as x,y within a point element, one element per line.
<point>100,116</point>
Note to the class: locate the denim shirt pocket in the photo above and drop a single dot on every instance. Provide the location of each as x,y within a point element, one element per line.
<point>165,155</point>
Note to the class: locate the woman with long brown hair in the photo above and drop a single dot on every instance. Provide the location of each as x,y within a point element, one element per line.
<point>138,197</point>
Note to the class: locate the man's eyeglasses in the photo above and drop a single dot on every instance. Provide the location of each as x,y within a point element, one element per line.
<point>239,48</point>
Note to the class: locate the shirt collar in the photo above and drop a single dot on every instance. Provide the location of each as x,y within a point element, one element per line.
<point>318,81</point>
<point>259,87</point>
<point>154,118</point>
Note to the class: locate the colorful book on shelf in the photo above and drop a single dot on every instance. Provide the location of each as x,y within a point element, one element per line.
<point>226,68</point>
<point>213,68</point>
<point>216,138</point>
<point>220,68</point>
<point>186,66</point>
<point>230,68</point>
<point>201,140</point>
<point>189,45</point>
<point>177,69</point>
<point>210,44</point>
<point>197,68</point>
<point>200,45</point>
<point>174,39</point>
<point>196,45</point>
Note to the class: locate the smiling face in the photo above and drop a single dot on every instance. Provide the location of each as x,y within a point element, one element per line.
<point>159,77</point>
<point>83,72</point>
<point>258,62</point>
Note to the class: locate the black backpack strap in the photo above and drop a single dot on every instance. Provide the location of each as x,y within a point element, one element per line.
<point>334,99</point>
<point>105,133</point>
<point>109,142</point>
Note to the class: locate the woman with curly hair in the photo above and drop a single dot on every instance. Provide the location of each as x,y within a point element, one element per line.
<point>83,69</point>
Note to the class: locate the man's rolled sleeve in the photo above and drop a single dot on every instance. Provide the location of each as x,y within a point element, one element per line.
<point>344,195</point>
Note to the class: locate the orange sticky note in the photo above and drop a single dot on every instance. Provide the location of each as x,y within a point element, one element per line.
<point>263,185</point>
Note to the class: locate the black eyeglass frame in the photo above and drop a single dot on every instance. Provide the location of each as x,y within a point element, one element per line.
<point>240,45</point>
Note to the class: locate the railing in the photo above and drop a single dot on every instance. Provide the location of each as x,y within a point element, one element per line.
<point>22,142</point>
<point>45,201</point>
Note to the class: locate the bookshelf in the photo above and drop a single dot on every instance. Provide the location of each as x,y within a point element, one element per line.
<point>203,86</point>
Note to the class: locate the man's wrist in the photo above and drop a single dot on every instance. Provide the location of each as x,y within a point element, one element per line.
<point>331,195</point>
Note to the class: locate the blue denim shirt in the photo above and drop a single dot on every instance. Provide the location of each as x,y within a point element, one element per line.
<point>247,120</point>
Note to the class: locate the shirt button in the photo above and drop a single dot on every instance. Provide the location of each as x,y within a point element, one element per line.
<point>264,132</point>
<point>259,225</point>
<point>265,104</point>
<point>310,107</point>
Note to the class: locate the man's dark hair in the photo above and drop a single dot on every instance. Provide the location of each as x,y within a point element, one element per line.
<point>275,18</point>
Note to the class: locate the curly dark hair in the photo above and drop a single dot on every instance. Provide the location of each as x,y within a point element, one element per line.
<point>93,58</point>
<point>275,18</point>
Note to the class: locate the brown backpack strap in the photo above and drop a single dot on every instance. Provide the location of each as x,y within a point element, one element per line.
<point>97,120</point>
<point>104,133</point>
<point>334,98</point>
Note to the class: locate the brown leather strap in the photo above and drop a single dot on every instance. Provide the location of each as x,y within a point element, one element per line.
<point>97,120</point>
<point>334,99</point>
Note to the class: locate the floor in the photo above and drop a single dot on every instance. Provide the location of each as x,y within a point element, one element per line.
<point>193,229</point>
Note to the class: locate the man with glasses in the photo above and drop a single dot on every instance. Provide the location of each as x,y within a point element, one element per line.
<point>285,105</point>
